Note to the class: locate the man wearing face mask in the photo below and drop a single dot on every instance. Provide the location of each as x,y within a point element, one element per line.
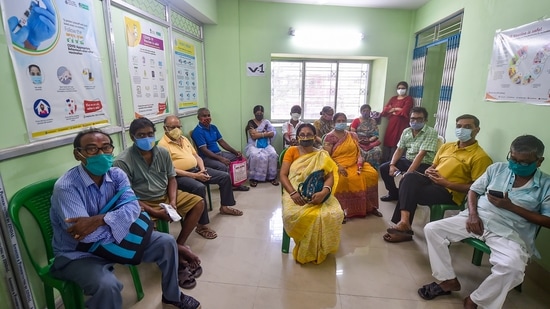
<point>415,152</point>
<point>152,176</point>
<point>76,200</point>
<point>507,224</point>
<point>455,167</point>
<point>192,174</point>
<point>208,138</point>
<point>289,128</point>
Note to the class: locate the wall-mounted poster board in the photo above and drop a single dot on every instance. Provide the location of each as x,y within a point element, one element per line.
<point>186,85</point>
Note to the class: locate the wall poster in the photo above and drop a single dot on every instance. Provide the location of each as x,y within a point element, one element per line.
<point>520,65</point>
<point>57,65</point>
<point>185,60</point>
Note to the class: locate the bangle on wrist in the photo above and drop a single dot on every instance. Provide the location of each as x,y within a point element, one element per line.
<point>293,192</point>
<point>391,164</point>
<point>329,189</point>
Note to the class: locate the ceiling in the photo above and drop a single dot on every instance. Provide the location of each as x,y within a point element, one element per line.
<point>390,4</point>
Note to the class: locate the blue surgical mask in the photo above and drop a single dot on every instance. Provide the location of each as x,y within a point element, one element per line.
<point>37,80</point>
<point>146,143</point>
<point>365,115</point>
<point>463,134</point>
<point>417,126</point>
<point>522,170</point>
<point>341,126</point>
<point>99,164</point>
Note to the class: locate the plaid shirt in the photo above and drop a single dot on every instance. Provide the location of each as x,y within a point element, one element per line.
<point>426,140</point>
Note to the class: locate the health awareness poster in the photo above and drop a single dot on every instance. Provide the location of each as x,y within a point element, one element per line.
<point>147,63</point>
<point>520,65</point>
<point>57,65</point>
<point>186,75</point>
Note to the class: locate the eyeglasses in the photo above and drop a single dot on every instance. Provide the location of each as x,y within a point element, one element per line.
<point>508,157</point>
<point>93,150</point>
<point>144,135</point>
<point>417,119</point>
<point>306,136</point>
<point>170,128</point>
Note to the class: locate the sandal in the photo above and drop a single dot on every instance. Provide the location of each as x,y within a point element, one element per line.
<point>275,182</point>
<point>241,188</point>
<point>431,291</point>
<point>230,211</point>
<point>399,237</point>
<point>206,232</point>
<point>253,183</point>
<point>185,278</point>
<point>375,212</point>
<point>195,271</point>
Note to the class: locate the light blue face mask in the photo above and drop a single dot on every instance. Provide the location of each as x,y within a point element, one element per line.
<point>37,80</point>
<point>463,134</point>
<point>341,126</point>
<point>417,126</point>
<point>146,143</point>
<point>99,164</point>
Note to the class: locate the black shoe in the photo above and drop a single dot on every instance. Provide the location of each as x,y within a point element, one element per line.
<point>186,302</point>
<point>388,198</point>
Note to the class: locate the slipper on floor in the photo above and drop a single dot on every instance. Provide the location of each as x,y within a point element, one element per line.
<point>185,278</point>
<point>375,212</point>
<point>431,291</point>
<point>399,237</point>
<point>206,233</point>
<point>393,230</point>
<point>194,271</point>
<point>253,183</point>
<point>274,182</point>
<point>241,188</point>
<point>231,211</point>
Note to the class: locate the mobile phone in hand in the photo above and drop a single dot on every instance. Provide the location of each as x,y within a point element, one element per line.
<point>419,173</point>
<point>498,194</point>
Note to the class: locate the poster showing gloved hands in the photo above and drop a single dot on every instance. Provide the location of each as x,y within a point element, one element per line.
<point>57,65</point>
<point>147,63</point>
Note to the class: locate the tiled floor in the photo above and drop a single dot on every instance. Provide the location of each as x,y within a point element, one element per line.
<point>245,269</point>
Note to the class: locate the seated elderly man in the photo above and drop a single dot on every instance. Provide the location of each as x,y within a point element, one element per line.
<point>75,214</point>
<point>456,166</point>
<point>506,206</point>
<point>192,175</point>
<point>208,139</point>
<point>152,177</point>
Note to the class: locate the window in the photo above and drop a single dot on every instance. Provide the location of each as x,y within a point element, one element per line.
<point>314,84</point>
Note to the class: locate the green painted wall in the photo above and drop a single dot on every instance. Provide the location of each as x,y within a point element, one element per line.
<point>500,122</point>
<point>208,8</point>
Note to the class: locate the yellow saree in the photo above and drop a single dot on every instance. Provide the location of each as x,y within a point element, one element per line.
<point>314,228</point>
<point>357,193</point>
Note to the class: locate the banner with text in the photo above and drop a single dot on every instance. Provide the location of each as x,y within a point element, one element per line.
<point>520,65</point>
<point>185,60</point>
<point>57,65</point>
<point>147,62</point>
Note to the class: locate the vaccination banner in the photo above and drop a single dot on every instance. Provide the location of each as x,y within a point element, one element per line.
<point>520,65</point>
<point>186,75</point>
<point>57,65</point>
<point>147,63</point>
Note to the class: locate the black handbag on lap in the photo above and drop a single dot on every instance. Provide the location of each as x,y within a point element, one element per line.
<point>313,184</point>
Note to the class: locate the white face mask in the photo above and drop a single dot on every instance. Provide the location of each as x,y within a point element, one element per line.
<point>463,134</point>
<point>295,116</point>
<point>401,91</point>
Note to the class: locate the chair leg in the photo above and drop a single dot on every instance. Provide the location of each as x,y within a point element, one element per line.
<point>286,242</point>
<point>137,282</point>
<point>436,213</point>
<point>209,196</point>
<point>50,299</point>
<point>477,257</point>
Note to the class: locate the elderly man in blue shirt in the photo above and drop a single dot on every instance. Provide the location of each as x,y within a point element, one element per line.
<point>77,199</point>
<point>507,224</point>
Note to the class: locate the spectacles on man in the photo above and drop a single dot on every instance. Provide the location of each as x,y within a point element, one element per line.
<point>93,150</point>
<point>417,119</point>
<point>509,157</point>
<point>170,128</point>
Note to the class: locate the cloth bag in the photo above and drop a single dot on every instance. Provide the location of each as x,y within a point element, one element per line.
<point>262,142</point>
<point>238,171</point>
<point>313,184</point>
<point>130,250</point>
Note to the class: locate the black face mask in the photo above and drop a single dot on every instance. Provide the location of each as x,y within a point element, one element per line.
<point>259,117</point>
<point>306,142</point>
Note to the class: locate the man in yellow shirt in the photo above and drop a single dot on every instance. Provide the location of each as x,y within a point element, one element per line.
<point>192,175</point>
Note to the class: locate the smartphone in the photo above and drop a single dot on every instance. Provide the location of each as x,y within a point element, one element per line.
<point>419,173</point>
<point>498,194</point>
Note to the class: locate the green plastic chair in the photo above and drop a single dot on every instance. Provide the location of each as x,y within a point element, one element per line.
<point>35,198</point>
<point>437,211</point>
<point>286,239</point>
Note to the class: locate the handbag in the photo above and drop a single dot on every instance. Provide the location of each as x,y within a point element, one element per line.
<point>313,184</point>
<point>261,142</point>
<point>130,250</point>
<point>237,171</point>
<point>369,146</point>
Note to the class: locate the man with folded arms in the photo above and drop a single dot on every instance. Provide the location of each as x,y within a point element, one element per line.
<point>77,198</point>
<point>507,224</point>
<point>192,174</point>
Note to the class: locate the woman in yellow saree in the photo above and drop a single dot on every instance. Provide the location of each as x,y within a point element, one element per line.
<point>314,225</point>
<point>357,189</point>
